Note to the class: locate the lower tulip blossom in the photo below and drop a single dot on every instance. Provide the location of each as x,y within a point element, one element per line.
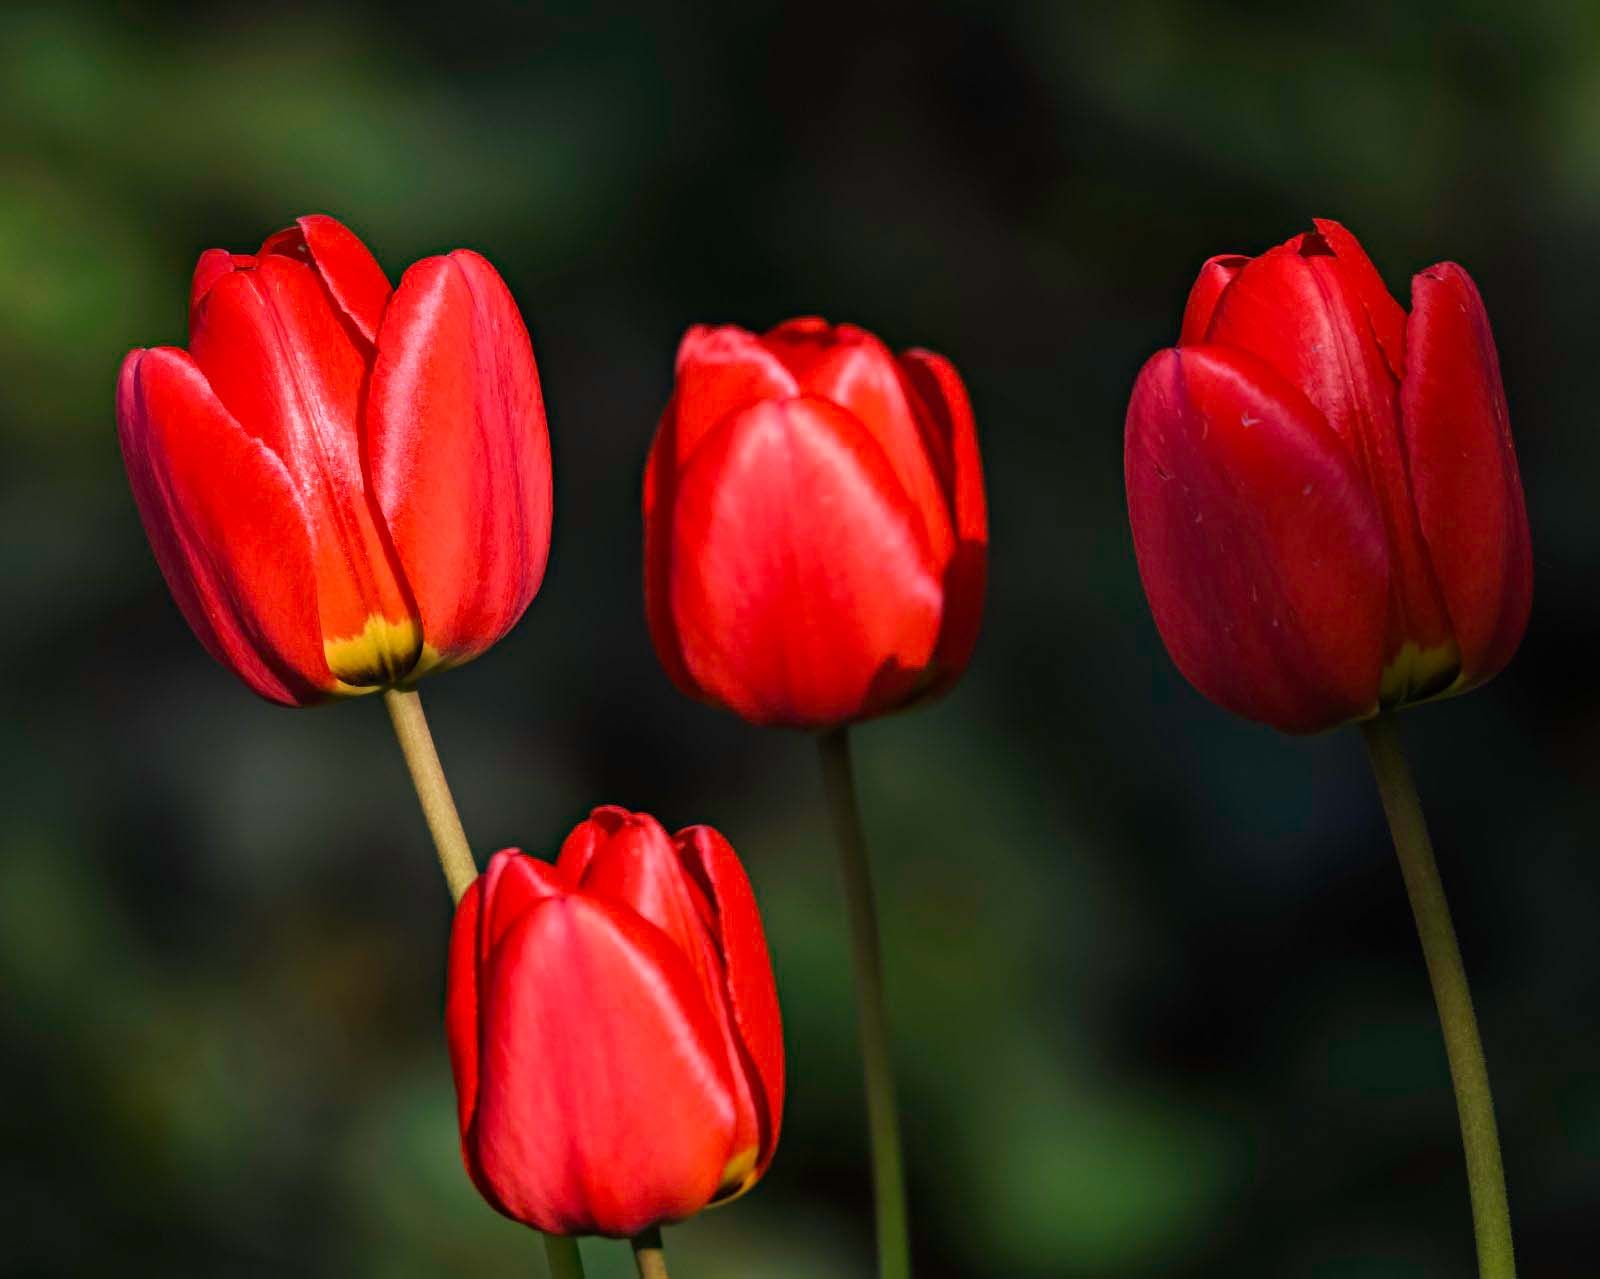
<point>614,1029</point>
<point>1324,495</point>
<point>345,485</point>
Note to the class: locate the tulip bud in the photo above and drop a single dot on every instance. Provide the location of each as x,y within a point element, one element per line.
<point>345,486</point>
<point>815,526</point>
<point>1324,495</point>
<point>613,1029</point>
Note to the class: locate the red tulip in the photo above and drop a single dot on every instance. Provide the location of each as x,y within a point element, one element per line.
<point>345,486</point>
<point>815,527</point>
<point>1323,490</point>
<point>614,1029</point>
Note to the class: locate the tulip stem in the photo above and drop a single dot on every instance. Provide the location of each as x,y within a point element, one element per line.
<point>433,791</point>
<point>888,1174</point>
<point>562,1254</point>
<point>648,1254</point>
<point>460,869</point>
<point>1491,1214</point>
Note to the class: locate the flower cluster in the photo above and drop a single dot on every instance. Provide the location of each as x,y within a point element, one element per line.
<point>347,486</point>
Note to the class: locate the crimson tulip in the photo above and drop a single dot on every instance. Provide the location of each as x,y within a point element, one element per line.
<point>815,524</point>
<point>346,485</point>
<point>613,1029</point>
<point>1323,490</point>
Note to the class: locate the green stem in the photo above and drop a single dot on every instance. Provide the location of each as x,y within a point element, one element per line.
<point>427,775</point>
<point>648,1254</point>
<point>562,1254</point>
<point>456,860</point>
<point>1491,1215</point>
<point>888,1175</point>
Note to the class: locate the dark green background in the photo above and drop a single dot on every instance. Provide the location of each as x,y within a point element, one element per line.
<point>1157,1003</point>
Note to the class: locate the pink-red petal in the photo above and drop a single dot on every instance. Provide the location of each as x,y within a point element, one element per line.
<point>1261,549</point>
<point>284,361</point>
<point>512,883</point>
<point>213,265</point>
<point>853,369</point>
<point>721,370</point>
<point>1464,470</point>
<point>603,1102</point>
<point>1215,276</point>
<point>1387,316</point>
<point>226,525</point>
<point>637,865</point>
<point>1307,309</point>
<point>751,993</point>
<point>461,1006</point>
<point>459,452</point>
<point>348,268</point>
<point>941,394</point>
<point>802,589</point>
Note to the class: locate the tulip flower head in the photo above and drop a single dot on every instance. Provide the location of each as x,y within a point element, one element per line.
<point>1323,490</point>
<point>614,1030</point>
<point>815,524</point>
<point>345,485</point>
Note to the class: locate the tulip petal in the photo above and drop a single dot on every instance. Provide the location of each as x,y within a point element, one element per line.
<point>510,885</point>
<point>588,837</point>
<point>512,882</point>
<point>637,865</point>
<point>212,266</point>
<point>226,525</point>
<point>460,456</point>
<point>1308,310</point>
<point>1261,549</point>
<point>1387,317</point>
<point>591,1022</point>
<point>1464,470</point>
<point>751,992</point>
<point>461,1009</point>
<point>1298,308</point>
<point>939,390</point>
<point>286,364</point>
<point>345,264</point>
<point>853,369</point>
<point>721,370</point>
<point>1215,276</point>
<point>810,595</point>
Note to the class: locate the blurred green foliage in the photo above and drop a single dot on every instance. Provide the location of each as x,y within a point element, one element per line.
<point>1157,1003</point>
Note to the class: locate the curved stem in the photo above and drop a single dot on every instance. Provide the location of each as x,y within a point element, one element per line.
<point>888,1175</point>
<point>456,860</point>
<point>427,775</point>
<point>648,1254</point>
<point>562,1254</point>
<point>1491,1214</point>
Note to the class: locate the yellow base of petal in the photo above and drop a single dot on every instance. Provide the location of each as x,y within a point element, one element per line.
<point>1415,674</point>
<point>384,653</point>
<point>738,1176</point>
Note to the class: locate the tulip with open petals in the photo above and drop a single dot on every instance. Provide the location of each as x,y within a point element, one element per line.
<point>1323,491</point>
<point>345,486</point>
<point>613,1028</point>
